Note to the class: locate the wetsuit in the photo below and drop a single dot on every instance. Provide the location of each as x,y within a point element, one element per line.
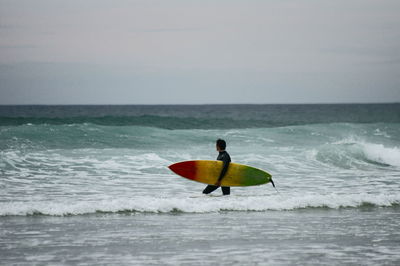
<point>222,156</point>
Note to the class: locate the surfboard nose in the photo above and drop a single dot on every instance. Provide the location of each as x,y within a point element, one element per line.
<point>175,167</point>
<point>185,169</point>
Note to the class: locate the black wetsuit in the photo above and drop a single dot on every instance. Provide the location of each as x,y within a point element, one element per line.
<point>223,156</point>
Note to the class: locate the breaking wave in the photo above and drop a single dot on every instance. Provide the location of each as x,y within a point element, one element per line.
<point>200,204</point>
<point>351,152</point>
<point>381,154</point>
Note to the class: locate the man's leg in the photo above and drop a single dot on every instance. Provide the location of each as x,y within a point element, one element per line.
<point>226,190</point>
<point>209,189</point>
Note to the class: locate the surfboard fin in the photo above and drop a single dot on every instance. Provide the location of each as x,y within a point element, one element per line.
<point>272,182</point>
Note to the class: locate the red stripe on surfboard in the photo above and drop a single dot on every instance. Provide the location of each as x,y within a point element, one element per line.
<point>185,169</point>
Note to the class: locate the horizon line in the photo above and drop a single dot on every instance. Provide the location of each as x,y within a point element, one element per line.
<point>190,104</point>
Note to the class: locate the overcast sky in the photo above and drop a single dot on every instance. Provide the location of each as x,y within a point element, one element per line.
<point>186,51</point>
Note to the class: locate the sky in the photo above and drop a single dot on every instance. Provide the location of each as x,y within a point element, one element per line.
<point>199,52</point>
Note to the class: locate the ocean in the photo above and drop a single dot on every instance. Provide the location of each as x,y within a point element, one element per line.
<point>90,185</point>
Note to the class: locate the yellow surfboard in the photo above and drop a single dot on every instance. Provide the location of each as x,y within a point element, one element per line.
<point>207,172</point>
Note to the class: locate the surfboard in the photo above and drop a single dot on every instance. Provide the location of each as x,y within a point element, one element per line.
<point>207,172</point>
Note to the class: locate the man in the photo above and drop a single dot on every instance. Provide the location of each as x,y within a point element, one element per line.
<point>222,156</point>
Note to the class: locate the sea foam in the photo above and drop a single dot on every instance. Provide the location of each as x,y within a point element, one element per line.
<point>382,154</point>
<point>200,204</point>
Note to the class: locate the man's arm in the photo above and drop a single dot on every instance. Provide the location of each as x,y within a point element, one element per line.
<point>224,170</point>
<point>226,162</point>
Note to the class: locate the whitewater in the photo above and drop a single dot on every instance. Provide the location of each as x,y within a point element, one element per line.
<point>336,167</point>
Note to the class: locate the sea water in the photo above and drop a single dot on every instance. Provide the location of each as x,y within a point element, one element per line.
<point>90,185</point>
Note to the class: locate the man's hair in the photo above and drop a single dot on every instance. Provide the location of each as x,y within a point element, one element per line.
<point>221,144</point>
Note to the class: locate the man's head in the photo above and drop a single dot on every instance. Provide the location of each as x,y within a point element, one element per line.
<point>221,145</point>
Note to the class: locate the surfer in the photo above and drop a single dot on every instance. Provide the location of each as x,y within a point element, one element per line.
<point>226,159</point>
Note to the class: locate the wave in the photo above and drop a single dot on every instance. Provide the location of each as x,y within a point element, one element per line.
<point>381,154</point>
<point>345,146</point>
<point>200,204</point>
<point>352,152</point>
